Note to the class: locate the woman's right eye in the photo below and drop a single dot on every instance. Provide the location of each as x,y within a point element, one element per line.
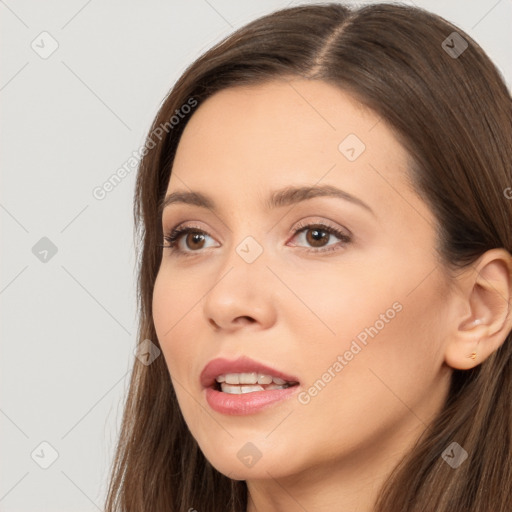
<point>193,236</point>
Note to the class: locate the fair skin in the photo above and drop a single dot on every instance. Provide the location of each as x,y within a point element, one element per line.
<point>298,310</point>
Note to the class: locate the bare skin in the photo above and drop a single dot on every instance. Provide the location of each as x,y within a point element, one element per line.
<point>298,311</point>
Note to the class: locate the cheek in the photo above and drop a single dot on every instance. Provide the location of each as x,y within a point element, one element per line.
<point>173,315</point>
<point>339,303</point>
<point>379,381</point>
<point>374,324</point>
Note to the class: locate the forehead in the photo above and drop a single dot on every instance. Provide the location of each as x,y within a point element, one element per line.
<point>249,139</point>
<point>280,112</point>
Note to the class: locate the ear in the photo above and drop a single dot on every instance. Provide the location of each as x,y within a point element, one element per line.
<point>484,310</point>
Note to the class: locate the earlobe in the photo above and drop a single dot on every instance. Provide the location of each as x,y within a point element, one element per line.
<point>487,294</point>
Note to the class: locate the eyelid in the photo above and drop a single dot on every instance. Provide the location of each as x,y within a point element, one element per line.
<point>308,222</point>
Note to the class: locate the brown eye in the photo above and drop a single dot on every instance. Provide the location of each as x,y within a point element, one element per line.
<point>317,236</point>
<point>194,240</point>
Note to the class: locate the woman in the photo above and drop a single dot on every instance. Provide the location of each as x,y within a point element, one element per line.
<point>324,210</point>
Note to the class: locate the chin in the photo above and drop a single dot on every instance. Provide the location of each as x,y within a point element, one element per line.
<point>243,461</point>
<point>235,471</point>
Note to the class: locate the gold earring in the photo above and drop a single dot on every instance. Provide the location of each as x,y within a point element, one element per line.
<point>473,356</point>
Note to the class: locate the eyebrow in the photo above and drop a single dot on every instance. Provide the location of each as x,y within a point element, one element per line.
<point>279,198</point>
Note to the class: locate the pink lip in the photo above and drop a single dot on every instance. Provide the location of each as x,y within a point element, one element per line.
<point>243,364</point>
<point>247,403</point>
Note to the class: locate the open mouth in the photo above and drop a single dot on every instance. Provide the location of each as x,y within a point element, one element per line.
<point>251,383</point>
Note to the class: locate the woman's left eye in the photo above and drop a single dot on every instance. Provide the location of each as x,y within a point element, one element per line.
<point>315,234</point>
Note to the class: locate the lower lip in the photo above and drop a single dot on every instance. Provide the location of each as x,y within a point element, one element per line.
<point>246,403</point>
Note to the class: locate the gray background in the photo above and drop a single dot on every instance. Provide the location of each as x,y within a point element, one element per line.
<point>69,121</point>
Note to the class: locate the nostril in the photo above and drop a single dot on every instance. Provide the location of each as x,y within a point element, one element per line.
<point>245,319</point>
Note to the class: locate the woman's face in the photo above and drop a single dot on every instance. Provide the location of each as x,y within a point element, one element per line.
<point>356,317</point>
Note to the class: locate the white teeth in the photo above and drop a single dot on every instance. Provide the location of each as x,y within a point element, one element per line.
<point>264,379</point>
<point>232,378</point>
<point>240,390</point>
<point>249,378</point>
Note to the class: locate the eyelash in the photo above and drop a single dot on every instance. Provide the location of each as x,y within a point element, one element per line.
<point>178,232</point>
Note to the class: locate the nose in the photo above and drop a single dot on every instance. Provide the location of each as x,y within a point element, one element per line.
<point>241,295</point>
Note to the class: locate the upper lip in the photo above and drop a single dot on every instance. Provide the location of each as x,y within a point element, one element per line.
<point>243,364</point>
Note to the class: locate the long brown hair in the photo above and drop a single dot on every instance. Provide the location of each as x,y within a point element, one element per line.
<point>450,108</point>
